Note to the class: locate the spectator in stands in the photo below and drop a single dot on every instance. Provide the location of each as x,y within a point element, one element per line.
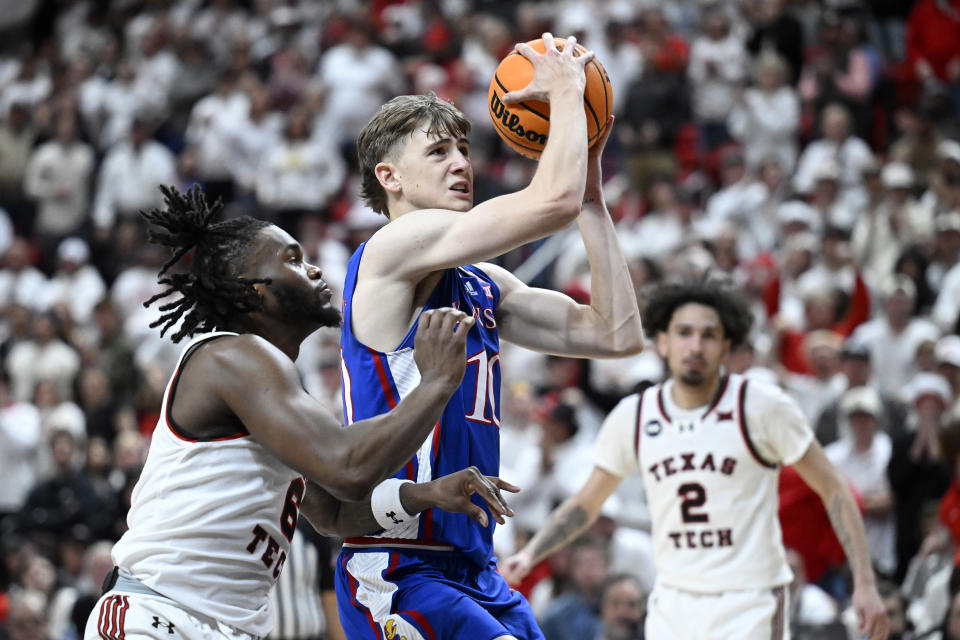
<point>862,456</point>
<point>919,471</point>
<point>933,43</point>
<point>893,336</point>
<point>775,29</point>
<point>65,500</point>
<point>45,356</point>
<point>765,117</point>
<point>77,284</point>
<point>58,178</point>
<point>130,176</point>
<point>623,608</point>
<point>716,70</point>
<point>17,137</point>
<point>882,233</point>
<point>850,153</point>
<point>574,615</point>
<point>657,104</point>
<point>19,441</point>
<point>210,120</point>
<point>839,71</point>
<point>855,365</point>
<point>21,283</point>
<point>299,175</point>
<point>364,75</point>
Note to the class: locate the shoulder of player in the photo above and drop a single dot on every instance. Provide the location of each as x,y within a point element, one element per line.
<point>762,398</point>
<point>403,238</point>
<point>504,280</point>
<point>229,361</point>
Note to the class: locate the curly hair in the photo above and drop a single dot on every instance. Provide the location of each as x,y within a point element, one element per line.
<point>210,293</point>
<point>666,298</point>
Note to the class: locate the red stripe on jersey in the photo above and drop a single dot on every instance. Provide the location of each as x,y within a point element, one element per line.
<point>169,406</point>
<point>123,616</point>
<point>115,618</point>
<point>421,622</point>
<point>103,610</point>
<point>384,382</point>
<point>741,411</point>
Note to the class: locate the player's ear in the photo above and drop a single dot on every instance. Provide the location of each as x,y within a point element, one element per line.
<point>662,344</point>
<point>387,176</point>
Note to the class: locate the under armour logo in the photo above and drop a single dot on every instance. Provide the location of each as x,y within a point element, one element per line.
<point>724,415</point>
<point>157,624</point>
<point>393,516</point>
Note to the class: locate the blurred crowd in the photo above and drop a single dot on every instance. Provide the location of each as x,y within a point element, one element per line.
<point>806,150</point>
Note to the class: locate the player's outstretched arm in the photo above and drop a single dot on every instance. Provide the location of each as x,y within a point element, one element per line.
<point>817,471</point>
<point>453,493</point>
<point>261,386</point>
<point>546,321</point>
<point>421,242</point>
<point>565,523</point>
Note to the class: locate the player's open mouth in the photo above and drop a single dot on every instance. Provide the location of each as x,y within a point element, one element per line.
<point>462,189</point>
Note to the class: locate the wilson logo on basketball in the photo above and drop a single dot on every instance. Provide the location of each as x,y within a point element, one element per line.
<point>512,121</point>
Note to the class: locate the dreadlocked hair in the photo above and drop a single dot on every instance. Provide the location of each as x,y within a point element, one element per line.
<point>210,293</point>
<point>666,298</point>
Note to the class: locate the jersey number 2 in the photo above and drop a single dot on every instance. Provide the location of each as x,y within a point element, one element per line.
<point>694,496</point>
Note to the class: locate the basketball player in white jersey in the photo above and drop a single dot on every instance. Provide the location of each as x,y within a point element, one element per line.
<point>240,448</point>
<point>709,447</point>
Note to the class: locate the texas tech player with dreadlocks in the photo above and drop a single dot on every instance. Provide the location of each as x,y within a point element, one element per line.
<point>709,447</point>
<point>240,448</point>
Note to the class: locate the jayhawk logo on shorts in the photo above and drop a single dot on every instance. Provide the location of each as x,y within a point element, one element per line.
<point>391,630</point>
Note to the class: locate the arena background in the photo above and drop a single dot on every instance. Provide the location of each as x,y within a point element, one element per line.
<point>806,151</point>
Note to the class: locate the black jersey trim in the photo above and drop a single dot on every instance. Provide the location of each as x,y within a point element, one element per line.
<point>741,410</point>
<point>175,427</point>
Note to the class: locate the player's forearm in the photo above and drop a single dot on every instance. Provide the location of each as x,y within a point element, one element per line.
<point>613,299</point>
<point>379,446</point>
<point>563,526</point>
<point>561,173</point>
<point>334,517</point>
<point>848,525</point>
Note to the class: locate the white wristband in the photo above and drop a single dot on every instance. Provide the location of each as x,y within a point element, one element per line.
<point>386,506</point>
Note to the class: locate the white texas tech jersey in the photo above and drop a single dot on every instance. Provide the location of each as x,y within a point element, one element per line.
<point>711,478</point>
<point>211,520</point>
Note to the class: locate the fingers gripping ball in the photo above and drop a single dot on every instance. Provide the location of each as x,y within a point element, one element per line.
<point>524,126</point>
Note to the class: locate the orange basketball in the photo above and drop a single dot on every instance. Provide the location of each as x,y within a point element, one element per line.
<point>524,126</point>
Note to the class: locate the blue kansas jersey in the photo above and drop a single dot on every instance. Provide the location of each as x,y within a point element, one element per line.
<point>469,430</point>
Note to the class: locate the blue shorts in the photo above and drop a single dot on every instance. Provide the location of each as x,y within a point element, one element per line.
<point>395,594</point>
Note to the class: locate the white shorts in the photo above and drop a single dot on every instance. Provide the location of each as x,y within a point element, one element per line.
<point>751,614</point>
<point>135,616</point>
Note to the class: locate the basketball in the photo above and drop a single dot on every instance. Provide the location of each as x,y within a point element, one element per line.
<point>524,126</point>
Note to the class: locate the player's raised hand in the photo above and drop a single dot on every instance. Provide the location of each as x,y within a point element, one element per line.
<point>516,567</point>
<point>439,347</point>
<point>871,613</point>
<point>453,492</point>
<point>553,70</point>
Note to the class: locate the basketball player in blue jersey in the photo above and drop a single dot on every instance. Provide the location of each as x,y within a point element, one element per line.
<point>434,577</point>
<point>240,449</point>
<point>709,447</point>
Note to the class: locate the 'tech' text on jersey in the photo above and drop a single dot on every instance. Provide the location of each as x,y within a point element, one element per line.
<point>469,429</point>
<point>214,534</point>
<point>711,477</point>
